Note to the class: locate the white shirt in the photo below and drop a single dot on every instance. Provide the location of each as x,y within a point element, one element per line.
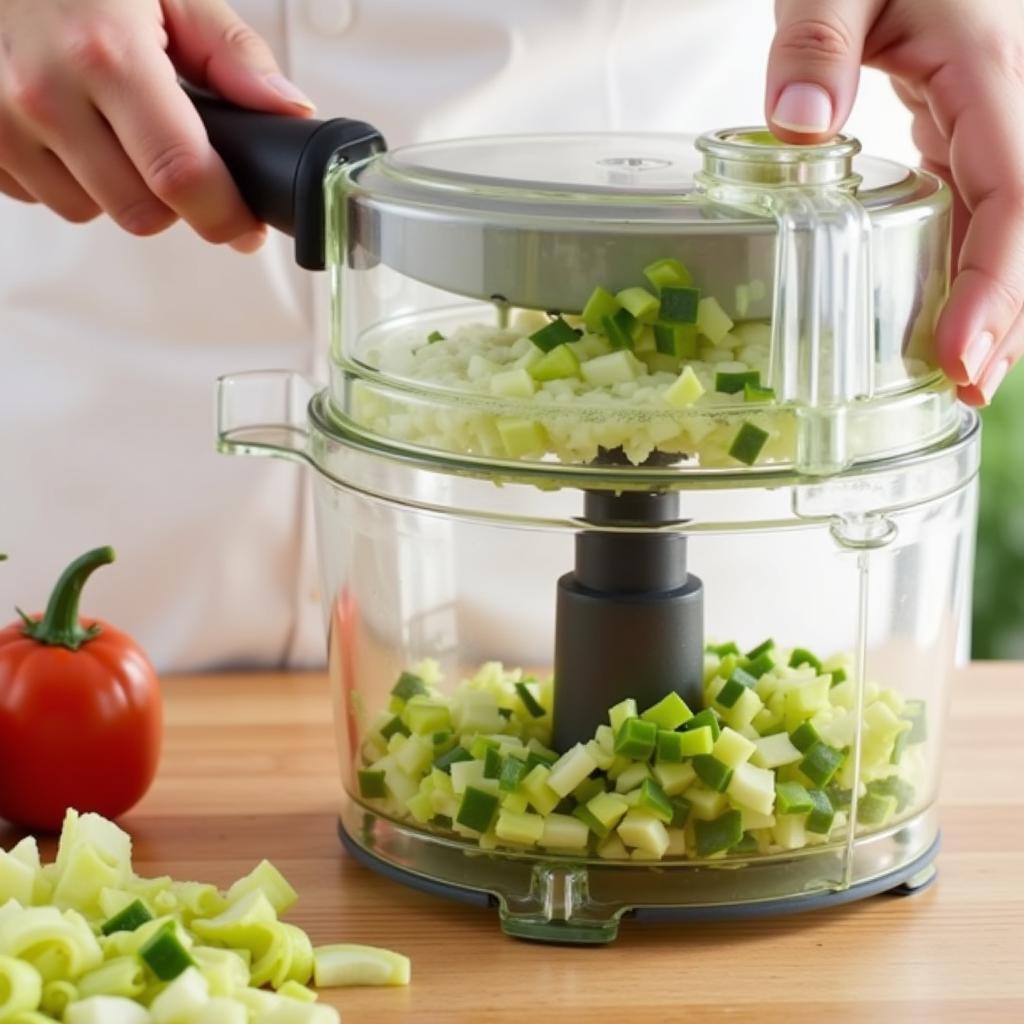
<point>110,345</point>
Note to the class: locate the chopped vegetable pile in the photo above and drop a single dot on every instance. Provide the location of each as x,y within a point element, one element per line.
<point>765,766</point>
<point>653,351</point>
<point>87,941</point>
<point>654,368</point>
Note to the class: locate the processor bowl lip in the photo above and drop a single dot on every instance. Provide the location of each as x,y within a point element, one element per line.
<point>330,426</point>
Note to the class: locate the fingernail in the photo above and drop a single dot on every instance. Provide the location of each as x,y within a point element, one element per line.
<point>288,90</point>
<point>803,107</point>
<point>994,377</point>
<point>974,356</point>
<point>250,242</point>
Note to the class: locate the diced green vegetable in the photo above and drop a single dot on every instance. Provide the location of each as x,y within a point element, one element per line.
<point>792,798</point>
<point>708,718</point>
<point>395,727</point>
<point>408,685</point>
<point>653,799</point>
<point>556,333</point>
<point>513,771</point>
<point>514,383</point>
<point>636,739</point>
<point>896,787</point>
<point>722,650</point>
<point>571,769</point>
<point>679,305</point>
<point>615,368</point>
<point>530,702</point>
<point>127,920</point>
<point>667,273</point>
<point>559,364</point>
<point>453,756</point>
<point>730,693</point>
<point>712,320</point>
<point>801,656</point>
<point>729,383</point>
<point>619,328</point>
<point>678,341</point>
<point>762,648</point>
<point>681,808</point>
<point>164,954</point>
<point>762,663</point>
<point>600,304</point>
<point>804,737</point>
<point>712,772</point>
<point>821,762</point>
<point>669,713</point>
<point>371,784</point>
<point>493,762</point>
<point>747,444</point>
<point>685,390</point>
<point>875,808</point>
<point>694,742</point>
<point>435,336</point>
<point>670,745</point>
<point>620,712</point>
<point>477,809</point>
<point>756,393</point>
<point>822,815</point>
<point>640,303</point>
<point>718,835</point>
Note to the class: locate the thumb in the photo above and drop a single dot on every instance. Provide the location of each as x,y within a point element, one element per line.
<point>814,65</point>
<point>213,47</point>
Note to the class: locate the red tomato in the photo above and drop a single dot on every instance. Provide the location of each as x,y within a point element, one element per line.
<point>80,711</point>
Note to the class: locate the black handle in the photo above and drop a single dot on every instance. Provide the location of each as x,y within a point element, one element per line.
<point>279,163</point>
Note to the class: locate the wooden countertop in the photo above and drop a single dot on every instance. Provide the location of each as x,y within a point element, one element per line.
<point>249,771</point>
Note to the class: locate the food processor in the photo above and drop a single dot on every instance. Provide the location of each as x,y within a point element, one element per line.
<point>645,517</point>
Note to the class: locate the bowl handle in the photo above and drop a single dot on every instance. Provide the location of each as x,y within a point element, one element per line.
<point>263,412</point>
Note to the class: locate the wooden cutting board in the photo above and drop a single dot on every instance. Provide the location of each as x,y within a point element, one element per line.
<point>249,771</point>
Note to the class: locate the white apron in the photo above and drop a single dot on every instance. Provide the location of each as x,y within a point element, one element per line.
<point>110,345</point>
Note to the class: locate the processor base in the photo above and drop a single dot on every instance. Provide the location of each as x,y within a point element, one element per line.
<point>553,900</point>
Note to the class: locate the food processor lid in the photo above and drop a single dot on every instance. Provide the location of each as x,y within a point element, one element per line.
<point>635,176</point>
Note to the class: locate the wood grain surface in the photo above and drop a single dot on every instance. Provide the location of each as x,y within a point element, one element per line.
<point>249,771</point>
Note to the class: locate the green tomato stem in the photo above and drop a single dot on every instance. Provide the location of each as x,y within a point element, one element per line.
<point>59,625</point>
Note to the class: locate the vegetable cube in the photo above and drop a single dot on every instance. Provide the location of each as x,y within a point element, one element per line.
<point>408,685</point>
<point>556,333</point>
<point>600,304</point>
<point>712,320</point>
<point>747,444</point>
<point>654,799</point>
<point>669,713</point>
<point>712,772</point>
<point>558,364</point>
<point>685,390</point>
<point>371,784</point>
<point>718,835</point>
<point>731,383</point>
<point>640,303</point>
<point>667,273</point>
<point>731,748</point>
<point>636,739</point>
<point>643,831</point>
<point>524,828</point>
<point>571,769</point>
<point>819,821</point>
<point>752,787</point>
<point>821,762</point>
<point>618,367</point>
<point>674,778</point>
<point>530,702</point>
<point>515,383</point>
<point>679,305</point>
<point>477,809</point>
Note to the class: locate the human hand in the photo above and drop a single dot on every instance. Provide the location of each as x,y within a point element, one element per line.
<point>959,68</point>
<point>92,117</point>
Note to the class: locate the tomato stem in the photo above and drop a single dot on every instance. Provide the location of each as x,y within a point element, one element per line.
<point>59,624</point>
